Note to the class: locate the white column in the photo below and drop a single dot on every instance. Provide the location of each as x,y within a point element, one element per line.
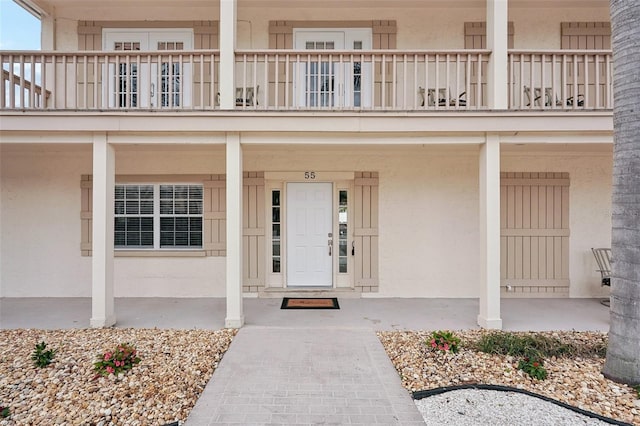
<point>497,42</point>
<point>235,316</point>
<point>102,311</point>
<point>48,33</point>
<point>228,16</point>
<point>489,316</point>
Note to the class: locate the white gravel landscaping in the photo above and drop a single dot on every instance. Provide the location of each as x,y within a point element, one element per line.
<point>472,407</point>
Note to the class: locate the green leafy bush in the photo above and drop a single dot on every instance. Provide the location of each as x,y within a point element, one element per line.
<point>536,346</point>
<point>117,361</point>
<point>4,412</point>
<point>533,367</point>
<point>444,341</point>
<point>42,356</point>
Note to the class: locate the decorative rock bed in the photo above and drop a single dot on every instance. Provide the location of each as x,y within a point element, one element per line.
<point>175,366</point>
<point>574,381</point>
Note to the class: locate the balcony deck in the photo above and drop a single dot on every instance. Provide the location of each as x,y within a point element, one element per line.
<point>290,80</point>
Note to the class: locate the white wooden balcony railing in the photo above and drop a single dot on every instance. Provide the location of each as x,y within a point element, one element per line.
<point>282,80</point>
<point>361,80</point>
<point>560,79</point>
<point>110,80</point>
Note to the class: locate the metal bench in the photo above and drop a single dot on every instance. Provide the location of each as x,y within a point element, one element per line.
<point>603,258</point>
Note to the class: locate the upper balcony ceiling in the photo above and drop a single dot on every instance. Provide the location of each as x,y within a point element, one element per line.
<point>76,8</point>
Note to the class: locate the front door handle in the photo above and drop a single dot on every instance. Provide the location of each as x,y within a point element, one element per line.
<point>353,248</point>
<point>330,244</point>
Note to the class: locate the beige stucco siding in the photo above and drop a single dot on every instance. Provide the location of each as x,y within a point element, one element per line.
<point>39,218</point>
<point>428,215</point>
<point>40,226</point>
<point>540,29</point>
<point>418,28</point>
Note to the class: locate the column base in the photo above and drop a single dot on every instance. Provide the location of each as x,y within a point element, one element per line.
<point>234,322</point>
<point>490,323</point>
<point>102,322</point>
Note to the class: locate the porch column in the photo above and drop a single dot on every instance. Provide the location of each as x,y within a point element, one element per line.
<point>102,311</point>
<point>497,42</point>
<point>48,33</point>
<point>228,16</point>
<point>489,316</point>
<point>235,316</point>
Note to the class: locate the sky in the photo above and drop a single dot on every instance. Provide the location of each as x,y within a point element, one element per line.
<point>19,30</point>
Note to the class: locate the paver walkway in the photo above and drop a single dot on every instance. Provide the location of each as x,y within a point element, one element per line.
<point>274,375</point>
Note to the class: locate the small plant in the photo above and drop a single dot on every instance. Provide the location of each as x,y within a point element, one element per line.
<point>637,389</point>
<point>42,356</point>
<point>121,359</point>
<point>444,341</point>
<point>534,367</point>
<point>4,412</point>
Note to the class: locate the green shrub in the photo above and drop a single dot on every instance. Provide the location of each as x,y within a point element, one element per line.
<point>4,412</point>
<point>536,346</point>
<point>42,356</point>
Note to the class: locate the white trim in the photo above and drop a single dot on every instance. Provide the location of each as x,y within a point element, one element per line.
<point>320,176</point>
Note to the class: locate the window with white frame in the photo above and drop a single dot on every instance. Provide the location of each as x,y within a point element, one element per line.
<point>158,216</point>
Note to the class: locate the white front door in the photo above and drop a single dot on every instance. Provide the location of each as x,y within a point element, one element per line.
<point>151,81</point>
<point>309,234</point>
<point>323,82</point>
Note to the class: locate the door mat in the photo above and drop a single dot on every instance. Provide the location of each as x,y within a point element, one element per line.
<point>310,303</point>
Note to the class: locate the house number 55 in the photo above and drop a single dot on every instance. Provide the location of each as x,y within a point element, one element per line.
<point>309,175</point>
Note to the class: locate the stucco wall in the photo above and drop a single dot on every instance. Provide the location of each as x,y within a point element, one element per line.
<point>428,206</point>
<point>418,28</point>
<point>40,224</point>
<point>428,216</point>
<point>40,227</point>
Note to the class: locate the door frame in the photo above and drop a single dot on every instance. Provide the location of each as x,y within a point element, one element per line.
<point>148,76</point>
<point>344,96</point>
<point>277,181</point>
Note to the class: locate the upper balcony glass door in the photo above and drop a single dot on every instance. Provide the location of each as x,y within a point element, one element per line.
<point>333,80</point>
<point>148,81</point>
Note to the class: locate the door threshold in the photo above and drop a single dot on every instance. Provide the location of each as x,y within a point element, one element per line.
<point>309,292</point>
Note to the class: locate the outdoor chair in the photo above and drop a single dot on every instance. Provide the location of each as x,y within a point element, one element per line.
<point>603,258</point>
<point>430,98</point>
<point>537,95</point>
<point>247,96</point>
<point>548,97</point>
<point>579,103</point>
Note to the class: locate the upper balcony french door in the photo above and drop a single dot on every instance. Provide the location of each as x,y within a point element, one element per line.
<point>147,84</point>
<point>325,80</point>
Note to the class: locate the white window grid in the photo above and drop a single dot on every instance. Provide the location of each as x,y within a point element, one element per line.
<point>156,216</point>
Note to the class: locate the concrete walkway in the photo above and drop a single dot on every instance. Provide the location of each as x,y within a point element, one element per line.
<point>305,376</point>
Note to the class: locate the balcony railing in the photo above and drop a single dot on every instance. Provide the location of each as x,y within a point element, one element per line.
<point>560,80</point>
<point>291,80</point>
<point>362,80</point>
<point>110,80</point>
